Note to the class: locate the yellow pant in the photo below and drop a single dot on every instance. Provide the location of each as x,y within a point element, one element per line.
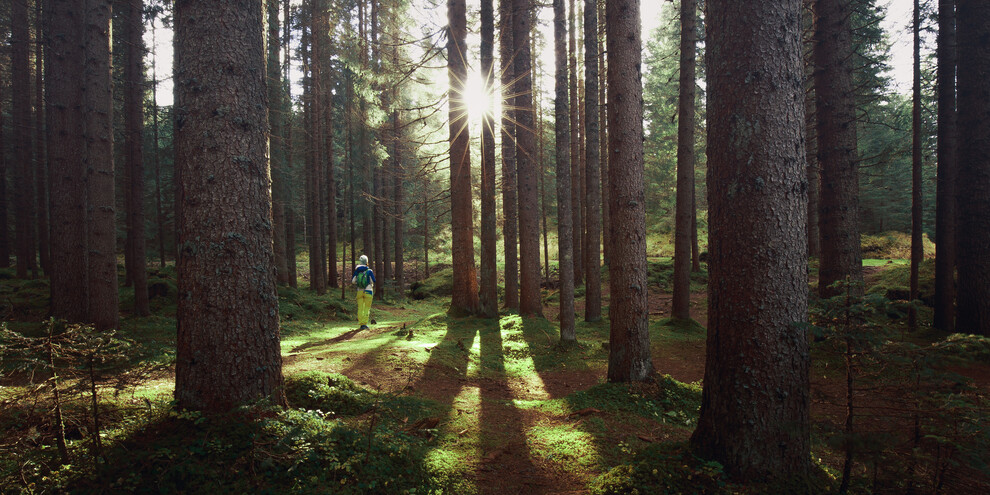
<point>364,307</point>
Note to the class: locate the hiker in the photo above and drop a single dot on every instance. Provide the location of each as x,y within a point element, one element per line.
<point>364,279</point>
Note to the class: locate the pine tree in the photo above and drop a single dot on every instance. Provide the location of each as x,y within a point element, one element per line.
<point>945,209</point>
<point>529,226</point>
<point>134,149</point>
<point>228,325</point>
<point>592,248</point>
<point>565,227</point>
<point>489,275</point>
<point>681,302</point>
<point>755,402</point>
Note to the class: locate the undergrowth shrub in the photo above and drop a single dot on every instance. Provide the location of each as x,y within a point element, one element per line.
<point>331,393</point>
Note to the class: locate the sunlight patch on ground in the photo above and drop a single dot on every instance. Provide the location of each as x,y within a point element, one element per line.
<point>566,445</point>
<point>458,446</point>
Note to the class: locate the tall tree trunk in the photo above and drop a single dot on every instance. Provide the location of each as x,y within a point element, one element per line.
<point>945,194</point>
<point>40,160</point>
<point>510,212</point>
<point>101,238</point>
<point>290,209</point>
<point>464,299</point>
<point>603,132</point>
<point>159,212</point>
<point>314,106</point>
<point>373,165</point>
<point>565,228</point>
<point>629,337</point>
<point>681,303</point>
<point>228,325</point>
<point>398,186</point>
<point>841,258</point>
<point>328,263</point>
<point>63,96</point>
<point>276,114</point>
<point>134,148</point>
<point>489,274</point>
<point>20,87</point>
<point>529,224</point>
<point>4,226</point>
<point>754,410</point>
<point>365,160</point>
<point>917,248</point>
<point>973,25</point>
<point>593,288</point>
<point>575,137</point>
<point>810,121</point>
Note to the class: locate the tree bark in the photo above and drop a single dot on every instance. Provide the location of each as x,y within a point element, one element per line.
<point>841,259</point>
<point>917,248</point>
<point>754,412</point>
<point>510,228</point>
<point>973,25</point>
<point>20,87</point>
<point>314,158</point>
<point>464,300</point>
<point>290,209</point>
<point>101,235</point>
<point>593,287</point>
<point>629,338</point>
<point>529,224</point>
<point>40,160</point>
<point>159,211</point>
<point>228,326</point>
<point>603,132</point>
<point>276,121</point>
<point>64,95</point>
<point>575,137</point>
<point>945,194</point>
<point>489,274</point>
<point>134,149</point>
<point>681,302</point>
<point>398,202</point>
<point>810,119</point>
<point>4,226</point>
<point>565,228</point>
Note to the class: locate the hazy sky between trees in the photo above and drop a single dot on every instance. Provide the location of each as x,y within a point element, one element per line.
<point>895,23</point>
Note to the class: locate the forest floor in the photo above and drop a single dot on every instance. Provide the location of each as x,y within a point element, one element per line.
<point>506,409</point>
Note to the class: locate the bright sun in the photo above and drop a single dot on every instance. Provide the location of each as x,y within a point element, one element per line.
<point>477,101</point>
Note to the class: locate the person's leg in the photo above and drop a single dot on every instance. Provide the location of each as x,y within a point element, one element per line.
<point>364,307</point>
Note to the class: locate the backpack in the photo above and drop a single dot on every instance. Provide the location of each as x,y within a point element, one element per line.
<point>362,279</point>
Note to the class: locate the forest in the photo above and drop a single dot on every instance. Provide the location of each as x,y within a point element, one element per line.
<point>495,246</point>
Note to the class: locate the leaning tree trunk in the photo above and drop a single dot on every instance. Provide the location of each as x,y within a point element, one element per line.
<point>593,271</point>
<point>63,98</point>
<point>973,24</point>
<point>134,149</point>
<point>945,194</point>
<point>681,302</point>
<point>755,401</point>
<point>228,326</point>
<point>565,227</point>
<point>629,337</point>
<point>464,299</point>
<point>101,232</point>
<point>841,258</point>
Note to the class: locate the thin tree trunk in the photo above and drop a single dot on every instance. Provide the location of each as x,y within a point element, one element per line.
<point>290,209</point>
<point>575,137</point>
<point>40,161</point>
<point>464,299</point>
<point>681,302</point>
<point>945,194</point>
<point>63,96</point>
<point>4,226</point>
<point>810,121</point>
<point>755,402</point>
<point>488,296</point>
<point>159,212</point>
<point>398,202</point>
<point>134,149</point>
<point>917,248</point>
<point>841,259</point>
<point>227,350</point>
<point>629,338</point>
<point>276,119</point>
<point>529,225</point>
<point>593,271</point>
<point>603,133</point>
<point>973,25</point>
<point>510,213</point>
<point>565,228</point>
<point>101,238</point>
<point>20,87</point>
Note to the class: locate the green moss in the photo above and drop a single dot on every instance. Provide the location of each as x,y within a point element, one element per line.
<point>439,284</point>
<point>664,469</point>
<point>892,245</point>
<point>666,400</point>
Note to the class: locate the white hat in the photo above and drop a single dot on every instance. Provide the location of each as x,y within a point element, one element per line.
<point>363,260</point>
